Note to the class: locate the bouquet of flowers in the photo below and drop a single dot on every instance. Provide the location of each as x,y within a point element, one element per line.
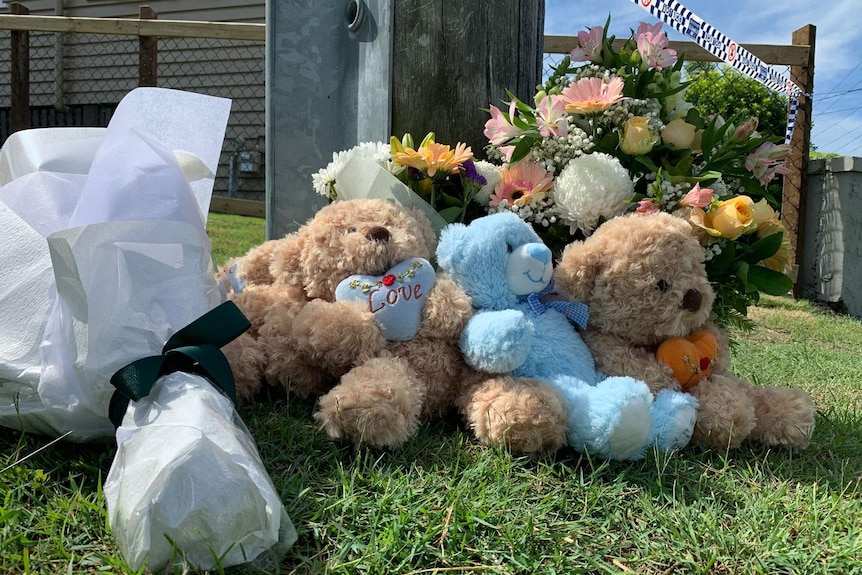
<point>610,132</point>
<point>448,179</point>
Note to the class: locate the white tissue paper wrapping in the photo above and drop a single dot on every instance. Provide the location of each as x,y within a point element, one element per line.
<point>200,485</point>
<point>105,256</point>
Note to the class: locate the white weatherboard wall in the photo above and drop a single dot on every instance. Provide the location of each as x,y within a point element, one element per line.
<point>831,269</point>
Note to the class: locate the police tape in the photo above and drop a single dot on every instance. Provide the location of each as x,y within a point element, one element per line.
<point>713,41</point>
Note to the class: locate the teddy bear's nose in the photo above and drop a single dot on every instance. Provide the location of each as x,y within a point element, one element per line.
<point>691,300</point>
<point>378,234</point>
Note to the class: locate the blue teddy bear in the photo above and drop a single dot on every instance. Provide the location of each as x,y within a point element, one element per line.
<point>521,328</point>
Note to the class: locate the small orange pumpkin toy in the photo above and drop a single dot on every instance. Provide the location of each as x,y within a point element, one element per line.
<point>691,358</point>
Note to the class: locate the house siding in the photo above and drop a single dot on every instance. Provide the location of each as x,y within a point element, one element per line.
<point>99,70</point>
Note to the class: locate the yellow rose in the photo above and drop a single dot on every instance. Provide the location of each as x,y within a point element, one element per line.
<point>732,217</point>
<point>679,134</point>
<point>729,219</point>
<point>637,139</point>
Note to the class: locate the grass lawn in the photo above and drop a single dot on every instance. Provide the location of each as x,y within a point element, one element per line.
<point>444,504</point>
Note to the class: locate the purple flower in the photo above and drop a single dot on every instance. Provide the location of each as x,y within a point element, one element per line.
<point>470,171</point>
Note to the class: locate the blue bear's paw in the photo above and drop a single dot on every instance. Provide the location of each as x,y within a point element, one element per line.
<point>673,417</point>
<point>611,419</point>
<point>497,341</point>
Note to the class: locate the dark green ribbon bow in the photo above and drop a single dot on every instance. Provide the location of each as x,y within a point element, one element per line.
<point>193,349</point>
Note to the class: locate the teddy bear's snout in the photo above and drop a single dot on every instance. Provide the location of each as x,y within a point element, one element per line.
<point>378,234</point>
<point>691,300</point>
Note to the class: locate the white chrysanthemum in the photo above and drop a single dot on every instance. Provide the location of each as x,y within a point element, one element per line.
<point>491,173</point>
<point>589,187</point>
<point>325,180</point>
<point>378,150</point>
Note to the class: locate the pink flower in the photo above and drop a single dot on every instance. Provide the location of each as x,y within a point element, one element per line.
<point>552,116</point>
<point>507,152</point>
<point>646,207</point>
<point>589,45</point>
<point>767,161</point>
<point>654,51</point>
<point>745,130</point>
<point>643,27</point>
<point>520,183</point>
<point>592,95</point>
<point>697,197</point>
<point>500,129</point>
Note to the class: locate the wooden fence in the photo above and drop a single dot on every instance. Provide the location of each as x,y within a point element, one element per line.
<point>799,56</point>
<point>148,29</point>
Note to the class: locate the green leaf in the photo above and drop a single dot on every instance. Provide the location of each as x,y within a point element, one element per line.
<point>741,271</point>
<point>723,262</point>
<point>769,281</point>
<point>763,248</point>
<point>450,214</point>
<point>522,148</point>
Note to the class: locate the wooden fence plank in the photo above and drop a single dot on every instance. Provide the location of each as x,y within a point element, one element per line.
<point>126,26</point>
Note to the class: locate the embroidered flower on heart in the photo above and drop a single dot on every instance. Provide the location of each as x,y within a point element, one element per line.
<point>592,95</point>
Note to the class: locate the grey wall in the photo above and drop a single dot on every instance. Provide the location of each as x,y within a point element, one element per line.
<point>831,267</point>
<point>327,90</point>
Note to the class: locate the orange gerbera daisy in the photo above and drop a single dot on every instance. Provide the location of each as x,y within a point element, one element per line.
<point>433,157</point>
<point>592,95</point>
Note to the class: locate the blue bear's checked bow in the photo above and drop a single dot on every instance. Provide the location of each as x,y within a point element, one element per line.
<point>575,311</point>
<point>194,349</point>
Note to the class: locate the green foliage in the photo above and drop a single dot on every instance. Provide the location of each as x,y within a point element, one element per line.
<point>723,90</point>
<point>822,155</point>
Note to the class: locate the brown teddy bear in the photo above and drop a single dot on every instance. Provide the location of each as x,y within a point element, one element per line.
<point>334,316</point>
<point>645,283</point>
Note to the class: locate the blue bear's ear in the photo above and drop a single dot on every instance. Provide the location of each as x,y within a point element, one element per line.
<point>450,247</point>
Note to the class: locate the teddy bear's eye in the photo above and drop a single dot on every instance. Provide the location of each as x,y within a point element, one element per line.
<point>350,230</point>
<point>508,248</point>
<point>662,286</point>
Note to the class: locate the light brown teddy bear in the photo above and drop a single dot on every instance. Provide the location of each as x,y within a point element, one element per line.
<point>644,281</point>
<point>325,304</point>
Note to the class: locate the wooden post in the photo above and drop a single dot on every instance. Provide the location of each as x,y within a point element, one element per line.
<point>796,182</point>
<point>148,52</point>
<point>20,76</point>
<point>452,58</point>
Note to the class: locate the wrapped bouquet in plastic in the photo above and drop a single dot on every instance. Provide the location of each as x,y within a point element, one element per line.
<point>105,261</point>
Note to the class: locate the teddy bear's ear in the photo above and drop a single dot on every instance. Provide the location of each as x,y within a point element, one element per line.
<point>575,274</point>
<point>450,248</point>
<point>286,261</point>
<point>254,265</point>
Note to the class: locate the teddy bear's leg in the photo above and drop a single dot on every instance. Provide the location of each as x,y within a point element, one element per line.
<point>785,416</point>
<point>611,419</point>
<point>523,414</point>
<point>725,415</point>
<point>673,416</point>
<point>246,359</point>
<point>377,403</point>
